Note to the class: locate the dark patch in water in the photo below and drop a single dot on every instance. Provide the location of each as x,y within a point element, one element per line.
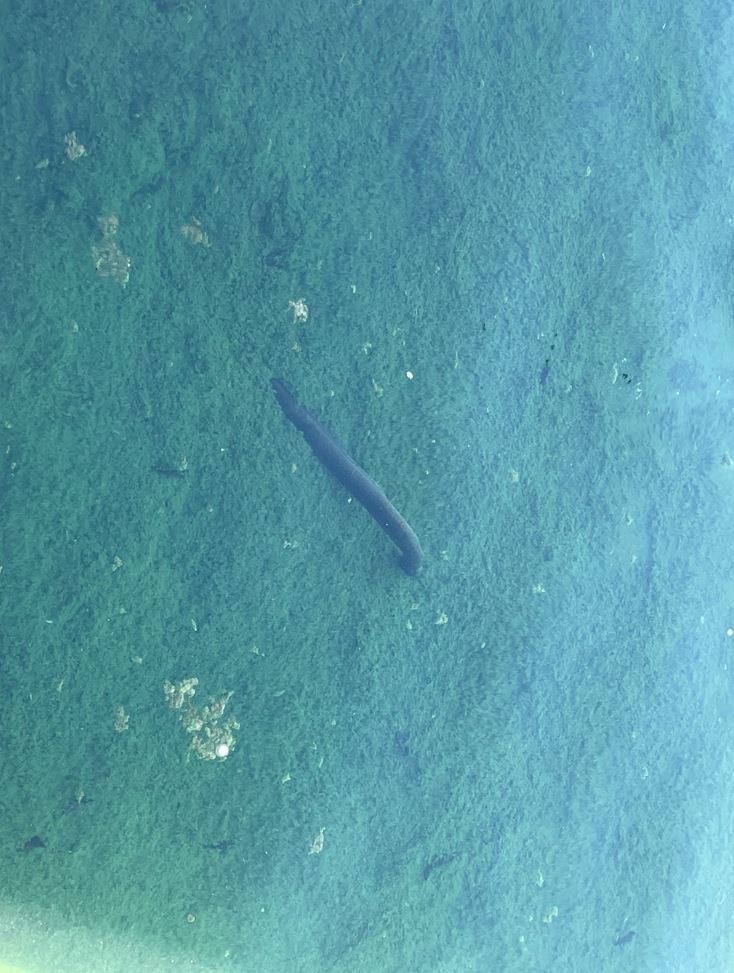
<point>33,843</point>
<point>440,861</point>
<point>685,376</point>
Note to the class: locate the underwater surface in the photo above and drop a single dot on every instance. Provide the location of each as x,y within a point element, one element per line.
<point>489,248</point>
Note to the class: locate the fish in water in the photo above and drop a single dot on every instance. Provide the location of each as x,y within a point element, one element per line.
<point>341,465</point>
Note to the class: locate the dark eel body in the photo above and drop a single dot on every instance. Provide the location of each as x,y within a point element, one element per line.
<point>341,465</point>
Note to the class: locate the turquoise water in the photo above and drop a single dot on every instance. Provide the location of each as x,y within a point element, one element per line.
<point>511,224</point>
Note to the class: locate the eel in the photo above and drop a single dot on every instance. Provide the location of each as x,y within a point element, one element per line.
<point>341,465</point>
